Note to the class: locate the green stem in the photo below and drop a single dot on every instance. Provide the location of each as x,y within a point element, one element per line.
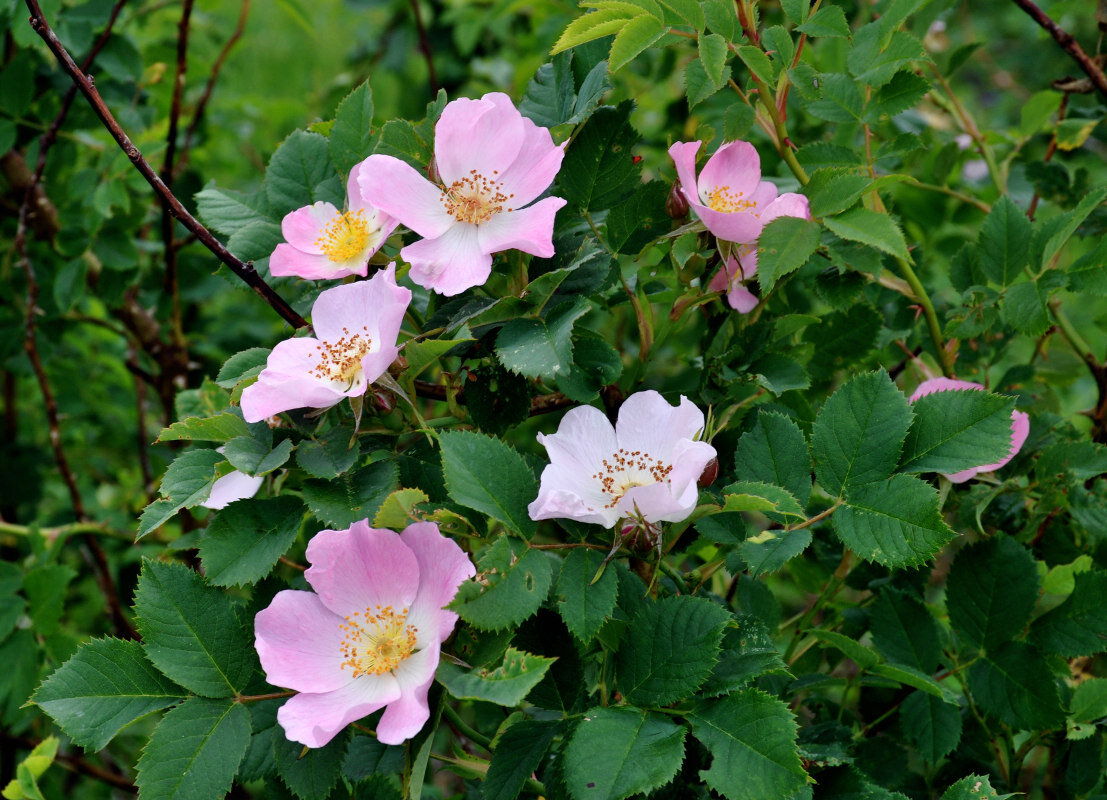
<point>64,530</point>
<point>932,324</point>
<point>464,728</point>
<point>1071,335</point>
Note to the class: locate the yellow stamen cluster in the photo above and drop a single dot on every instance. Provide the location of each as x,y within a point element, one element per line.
<point>340,360</point>
<point>627,469</point>
<point>475,198</point>
<point>345,236</point>
<point>376,641</point>
<point>721,198</point>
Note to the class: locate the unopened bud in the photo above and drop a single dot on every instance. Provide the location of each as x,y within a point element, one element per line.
<point>709,474</point>
<point>432,172</point>
<point>676,204</point>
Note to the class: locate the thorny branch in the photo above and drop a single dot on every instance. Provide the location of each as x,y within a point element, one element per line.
<point>1068,44</point>
<point>243,270</point>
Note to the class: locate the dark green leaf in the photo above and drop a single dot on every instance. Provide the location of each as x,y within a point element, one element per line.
<point>599,169</point>
<point>1013,683</point>
<point>1004,242</point>
<point>770,550</point>
<point>957,430</point>
<point>827,21</point>
<point>506,685</point>
<point>351,138</point>
<point>242,366</point>
<point>311,775</point>
<point>784,246</point>
<point>256,456</point>
<point>1077,627</point>
<point>639,219</point>
<point>351,497</point>
<point>991,591</point>
<point>514,583</point>
<point>841,100</point>
<point>487,475</point>
<point>774,451</point>
<point>541,348</point>
<point>933,726</point>
<point>517,755</point>
<point>186,483</point>
<point>871,228</point>
<point>748,652</point>
<point>243,541</point>
<point>904,630</point>
<point>296,172</point>
<point>330,455</point>
<point>585,605</point>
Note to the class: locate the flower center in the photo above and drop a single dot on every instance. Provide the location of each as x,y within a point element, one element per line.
<point>376,641</point>
<point>475,198</point>
<point>345,237</point>
<point>626,469</point>
<point>721,198</point>
<point>340,360</point>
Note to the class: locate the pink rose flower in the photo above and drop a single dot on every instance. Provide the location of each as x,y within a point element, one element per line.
<point>729,196</point>
<point>492,161</point>
<point>645,468</point>
<point>357,325</point>
<point>368,637</point>
<point>323,242</point>
<point>1020,425</point>
<point>742,264</point>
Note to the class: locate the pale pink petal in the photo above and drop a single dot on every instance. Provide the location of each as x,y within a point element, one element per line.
<point>287,260</point>
<point>362,568</point>
<point>451,263</point>
<point>301,228</point>
<point>942,385</point>
<point>231,487</point>
<point>299,643</point>
<point>287,383</point>
<point>654,503</point>
<point>482,136</point>
<point>689,459</point>
<point>528,229</point>
<point>406,716</point>
<point>788,204</point>
<point>584,438</point>
<point>399,191</point>
<point>733,277</point>
<point>373,308</point>
<point>741,299</point>
<point>763,196</point>
<point>584,505</point>
<point>534,168</point>
<point>735,165</point>
<point>648,423</point>
<point>738,226</point>
<point>315,719</point>
<point>443,567</point>
<point>684,157</point>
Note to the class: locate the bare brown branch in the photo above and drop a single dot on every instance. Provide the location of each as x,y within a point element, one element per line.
<point>1068,44</point>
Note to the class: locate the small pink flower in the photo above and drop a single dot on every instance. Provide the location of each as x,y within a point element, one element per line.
<point>742,264</point>
<point>368,637</point>
<point>492,161</point>
<point>357,325</point>
<point>323,242</point>
<point>1020,424</point>
<point>235,485</point>
<point>729,197</point>
<point>645,468</point>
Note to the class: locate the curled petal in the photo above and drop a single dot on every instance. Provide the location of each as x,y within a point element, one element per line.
<point>684,157</point>
<point>648,423</point>
<point>450,263</point>
<point>528,229</point>
<point>399,191</point>
<point>315,719</point>
<point>362,568</point>
<point>788,204</point>
<point>584,504</point>
<point>299,643</point>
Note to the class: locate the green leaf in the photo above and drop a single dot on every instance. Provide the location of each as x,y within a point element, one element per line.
<point>421,355</point>
<point>957,430</point>
<point>295,172</point>
<point>909,676</point>
<point>400,139</point>
<point>833,190</point>
<point>688,11</point>
<point>242,366</point>
<point>513,584</point>
<point>713,54</point>
<point>748,652</point>
<point>871,228</point>
<point>195,750</point>
<point>1089,700</point>
<point>485,474</point>
<point>1024,306</point>
<point>256,240</point>
<point>519,751</point>
<point>697,85</point>
<point>583,604</point>
<point>1013,683</point>
<point>186,483</point>
<point>828,21</point>
<point>228,211</point>
<point>105,686</point>
<point>779,373</point>
<point>591,26</point>
<point>904,91</point>
<point>619,751</point>
<point>191,631</point>
<point>1073,220</point>
<point>670,649</point>
<point>874,59</point>
<point>255,456</point>
<point>353,496</point>
<point>859,433</point>
<point>638,220</point>
<point>752,738</point>
<point>775,451</point>
<point>397,511</point>
<point>243,541</point>
<point>330,455</point>
<point>784,246</point>
<point>750,496</point>
<point>351,139</point>
<point>904,631</point>
<point>1004,242</point>
<point>933,726</point>
<point>973,787</point>
<point>1089,272</point>
<point>770,550</point>
<point>1077,627</point>
<point>991,591</point>
<point>864,657</point>
<point>599,169</point>
<point>548,100</point>
<point>45,587</point>
<point>541,348</point>
<point>310,775</point>
<point>506,685</point>
<point>897,522</point>
<point>840,101</point>
<point>757,62</point>
<point>634,37</point>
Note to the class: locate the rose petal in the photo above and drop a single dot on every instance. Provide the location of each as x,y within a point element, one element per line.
<point>788,204</point>
<point>315,719</point>
<point>482,136</point>
<point>299,643</point>
<point>739,226</point>
<point>406,716</point>
<point>534,168</point>
<point>684,157</point>
<point>286,382</point>
<point>287,260</point>
<point>554,502</point>
<point>443,567</point>
<point>399,191</point>
<point>528,229</point>
<point>942,385</point>
<point>451,263</point>
<point>648,423</point>
<point>231,487</point>
<point>362,568</point>
<point>735,165</point>
<point>301,228</point>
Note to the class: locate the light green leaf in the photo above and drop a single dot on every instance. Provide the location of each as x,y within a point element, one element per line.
<point>828,21</point>
<point>506,685</point>
<point>514,582</point>
<point>871,228</point>
<point>713,54</point>
<point>841,100</point>
<point>785,245</point>
<point>242,366</point>
<point>105,686</point>
<point>756,61</point>
<point>591,26</point>
<point>634,37</point>
<point>228,211</point>
<point>751,496</point>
